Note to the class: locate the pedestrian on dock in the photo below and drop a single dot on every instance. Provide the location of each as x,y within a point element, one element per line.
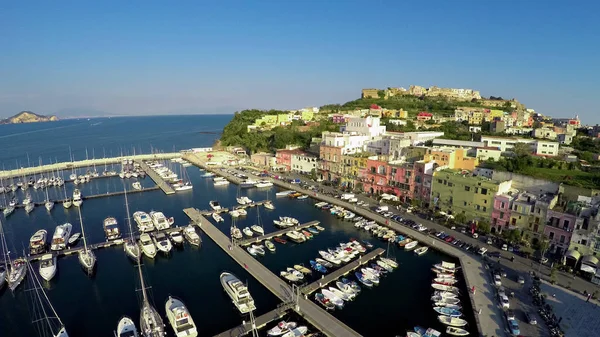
<point>245,266</point>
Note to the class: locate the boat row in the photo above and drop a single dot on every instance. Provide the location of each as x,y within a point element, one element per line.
<point>445,299</point>
<point>167,174</point>
<point>154,221</point>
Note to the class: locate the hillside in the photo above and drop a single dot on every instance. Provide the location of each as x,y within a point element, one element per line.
<point>28,117</point>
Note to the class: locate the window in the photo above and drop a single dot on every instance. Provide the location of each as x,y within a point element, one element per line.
<point>566,224</point>
<point>484,191</point>
<point>467,188</point>
<point>440,181</point>
<point>484,208</point>
<point>551,236</point>
<point>485,201</point>
<point>562,239</point>
<point>477,207</point>
<point>502,205</point>
<point>450,185</point>
<point>501,215</point>
<point>464,203</point>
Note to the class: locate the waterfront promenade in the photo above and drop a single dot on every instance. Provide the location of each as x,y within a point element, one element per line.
<point>310,311</point>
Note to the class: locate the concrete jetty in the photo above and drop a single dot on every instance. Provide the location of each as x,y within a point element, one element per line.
<point>346,269</point>
<point>259,322</point>
<point>158,180</point>
<point>28,171</point>
<point>277,233</point>
<point>310,311</point>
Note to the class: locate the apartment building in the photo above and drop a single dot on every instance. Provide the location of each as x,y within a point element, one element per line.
<point>451,158</point>
<point>507,144</point>
<point>303,163</point>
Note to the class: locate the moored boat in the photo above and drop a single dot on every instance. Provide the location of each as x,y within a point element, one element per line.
<point>421,250</point>
<point>238,292</point>
<point>452,321</point>
<point>191,235</point>
<point>447,311</point>
<point>111,228</point>
<point>37,242</point>
<point>281,328</point>
<point>270,246</point>
<point>126,328</point>
<point>456,331</point>
<point>148,247</point>
<point>47,266</point>
<point>61,236</point>
<point>180,319</point>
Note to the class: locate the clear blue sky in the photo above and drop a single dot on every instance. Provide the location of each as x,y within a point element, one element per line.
<point>157,57</point>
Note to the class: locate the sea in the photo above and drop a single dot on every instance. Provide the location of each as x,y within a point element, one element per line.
<point>91,306</point>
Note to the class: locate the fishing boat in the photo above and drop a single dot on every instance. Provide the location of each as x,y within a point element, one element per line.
<point>280,240</point>
<point>324,263</point>
<point>77,200</point>
<point>445,294</point>
<point>159,220</point>
<point>148,247</point>
<point>161,242</point>
<point>136,185</point>
<point>258,249</point>
<point>247,231</point>
<point>111,228</point>
<point>126,328</point>
<point>86,257</point>
<point>421,250</point>
<point>447,311</point>
<point>238,292</point>
<point>329,257</point>
<point>339,303</point>
<point>214,205</point>
<point>446,267</point>
<point>217,217</point>
<point>270,246</point>
<point>364,280</point>
<point>263,183</point>
<point>283,193</point>
<point>343,295</point>
<point>281,328</point>
<point>324,301</point>
<point>37,242</point>
<point>191,235</point>
<point>443,287</point>
<point>180,319</point>
<point>445,281</point>
<point>456,331</point>
<point>302,269</point>
<point>452,321</point>
<point>61,236</point>
<point>389,262</point>
<point>143,221</point>
<point>47,266</point>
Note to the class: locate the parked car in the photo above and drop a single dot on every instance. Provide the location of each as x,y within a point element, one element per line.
<point>494,254</point>
<point>497,280</point>
<point>475,235</point>
<point>502,272</point>
<point>530,318</point>
<point>513,326</point>
<point>510,314</point>
<point>505,247</point>
<point>520,280</point>
<point>449,239</point>
<point>489,241</point>
<point>504,302</point>
<point>482,251</point>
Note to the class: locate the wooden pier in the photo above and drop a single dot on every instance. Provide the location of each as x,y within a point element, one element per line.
<point>158,180</point>
<point>259,322</point>
<point>309,310</point>
<point>226,210</point>
<point>277,233</point>
<point>353,265</point>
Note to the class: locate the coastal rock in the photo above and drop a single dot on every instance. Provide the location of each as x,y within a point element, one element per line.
<point>28,117</point>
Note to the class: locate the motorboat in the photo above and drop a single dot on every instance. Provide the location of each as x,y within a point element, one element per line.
<point>411,245</point>
<point>297,332</point>
<point>162,242</point>
<point>369,276</point>
<point>270,246</point>
<point>47,266</point>
<point>136,185</point>
<point>389,262</point>
<point>307,234</point>
<point>449,306</point>
<point>324,263</point>
<point>248,183</point>
<point>176,237</point>
<point>214,205</point>
<point>180,319</point>
<point>443,287</point>
<point>353,284</point>
<point>159,220</point>
<point>241,211</point>
<point>269,205</point>
<point>280,240</point>
<point>191,235</point>
<point>296,273</point>
<point>49,205</point>
<point>281,328</point>
<point>346,288</point>
<point>252,251</point>
<point>236,233</point>
<point>302,197</point>
<point>16,273</point>
<point>283,193</point>
<point>111,228</point>
<point>234,213</point>
<point>61,236</point>
<point>73,239</point>
<point>302,269</point>
<point>8,210</point>
<point>263,183</point>
<point>445,294</point>
<point>339,303</point>
<point>343,295</point>
<point>27,199</point>
<point>445,281</point>
<point>126,328</point>
<point>258,249</point>
<point>221,182</point>
<point>452,321</point>
<point>324,301</point>
<point>243,200</point>
<point>295,236</point>
<point>445,300</point>
<point>363,279</point>
<point>421,250</point>
<point>456,331</point>
<point>37,242</point>
<point>29,207</point>
<point>238,292</point>
<point>289,276</point>
<point>247,231</point>
<point>312,230</point>
<point>447,311</point>
<point>144,222</point>
<point>77,200</point>
<point>319,228</point>
<point>148,247</point>
<point>258,229</point>
<point>329,257</point>
<point>384,265</point>
<point>217,217</point>
<point>446,267</point>
<point>318,267</point>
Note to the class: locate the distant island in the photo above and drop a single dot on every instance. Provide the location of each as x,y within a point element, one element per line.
<point>28,117</point>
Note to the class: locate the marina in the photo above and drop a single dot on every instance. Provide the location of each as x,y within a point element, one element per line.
<point>277,233</point>
<point>158,180</point>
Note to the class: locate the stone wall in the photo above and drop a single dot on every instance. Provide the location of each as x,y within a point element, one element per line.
<point>526,183</point>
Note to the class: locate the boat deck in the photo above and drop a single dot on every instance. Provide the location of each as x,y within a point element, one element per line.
<point>352,265</point>
<point>259,322</point>
<point>277,233</point>
<point>314,314</point>
<point>158,180</point>
<point>225,210</point>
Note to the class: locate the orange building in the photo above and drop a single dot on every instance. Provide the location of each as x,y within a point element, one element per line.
<point>455,159</point>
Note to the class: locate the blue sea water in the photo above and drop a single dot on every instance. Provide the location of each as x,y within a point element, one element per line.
<point>91,307</point>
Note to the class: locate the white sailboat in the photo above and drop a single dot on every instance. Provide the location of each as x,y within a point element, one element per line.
<point>87,258</point>
<point>15,270</point>
<point>4,269</point>
<point>67,203</point>
<point>184,184</point>
<point>48,204</point>
<point>151,324</point>
<point>131,248</point>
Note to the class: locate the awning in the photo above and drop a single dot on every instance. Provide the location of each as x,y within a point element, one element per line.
<point>588,269</point>
<point>590,260</point>
<point>573,254</point>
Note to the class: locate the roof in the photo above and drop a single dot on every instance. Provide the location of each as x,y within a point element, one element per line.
<point>424,113</point>
<point>295,151</point>
<point>488,148</point>
<point>439,141</point>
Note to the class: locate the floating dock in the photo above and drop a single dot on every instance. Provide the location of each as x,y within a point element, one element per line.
<point>326,279</point>
<point>277,233</point>
<point>158,180</point>
<point>225,210</point>
<point>107,194</point>
<point>259,322</point>
<point>310,311</point>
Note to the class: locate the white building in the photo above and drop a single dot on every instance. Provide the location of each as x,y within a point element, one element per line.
<point>545,148</point>
<point>369,126</point>
<point>380,145</point>
<point>475,128</point>
<point>507,144</point>
<point>487,153</point>
<point>418,137</point>
<point>350,142</point>
<point>303,163</point>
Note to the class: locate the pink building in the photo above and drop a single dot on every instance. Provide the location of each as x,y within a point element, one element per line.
<point>501,213</point>
<point>339,119</point>
<point>376,176</point>
<point>559,228</point>
<point>284,157</point>
<point>402,181</point>
<point>422,184</point>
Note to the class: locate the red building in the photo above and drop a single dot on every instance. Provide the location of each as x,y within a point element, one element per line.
<point>284,157</point>
<point>376,176</point>
<point>338,119</point>
<point>424,116</point>
<point>382,177</point>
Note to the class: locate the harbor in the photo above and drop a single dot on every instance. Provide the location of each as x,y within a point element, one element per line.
<point>278,233</point>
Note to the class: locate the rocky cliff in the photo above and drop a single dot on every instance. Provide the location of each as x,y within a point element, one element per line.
<point>28,117</point>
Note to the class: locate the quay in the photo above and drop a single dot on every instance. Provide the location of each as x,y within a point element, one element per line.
<point>310,311</point>
<point>158,180</point>
<point>95,196</point>
<point>277,233</point>
<point>326,279</point>
<point>27,171</point>
<point>259,322</point>
<point>225,210</point>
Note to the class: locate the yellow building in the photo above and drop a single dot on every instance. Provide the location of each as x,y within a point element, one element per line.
<point>370,93</point>
<point>475,118</point>
<point>454,159</point>
<point>353,166</point>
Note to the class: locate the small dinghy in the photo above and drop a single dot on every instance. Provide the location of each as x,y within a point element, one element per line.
<point>74,238</point>
<point>452,321</point>
<point>281,328</point>
<point>270,246</point>
<point>456,331</point>
<point>447,311</point>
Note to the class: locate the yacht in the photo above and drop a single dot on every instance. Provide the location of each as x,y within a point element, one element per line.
<point>16,273</point>
<point>61,236</point>
<point>159,220</point>
<point>176,237</point>
<point>247,231</point>
<point>296,236</point>
<point>162,242</point>
<point>281,328</point>
<point>47,266</point>
<point>215,205</point>
<point>29,207</point>
<point>217,217</point>
<point>148,246</point>
<point>248,183</point>
<point>137,185</point>
<point>111,228</point>
<point>238,292</point>
<point>73,239</point>
<point>180,319</point>
<point>191,235</point>
<point>87,258</point>
<point>126,328</point>
<point>143,221</point>
<point>258,229</point>
<point>269,205</point>
<point>37,242</point>
<point>77,201</point>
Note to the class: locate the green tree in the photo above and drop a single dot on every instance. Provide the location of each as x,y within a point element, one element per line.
<point>512,236</point>
<point>381,94</point>
<point>522,149</point>
<point>460,218</point>
<point>507,106</point>
<point>484,226</point>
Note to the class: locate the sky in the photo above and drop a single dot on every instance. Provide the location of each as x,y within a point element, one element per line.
<point>181,57</point>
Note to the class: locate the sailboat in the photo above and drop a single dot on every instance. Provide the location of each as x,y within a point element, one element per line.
<point>67,203</point>
<point>15,270</point>
<point>258,228</point>
<point>131,248</point>
<point>268,204</point>
<point>49,321</point>
<point>184,184</point>
<point>151,324</point>
<point>87,258</point>
<point>4,268</point>
<point>49,204</point>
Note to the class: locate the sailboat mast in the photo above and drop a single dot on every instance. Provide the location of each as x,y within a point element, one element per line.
<point>38,289</point>
<point>82,230</point>
<point>5,251</point>
<point>128,217</point>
